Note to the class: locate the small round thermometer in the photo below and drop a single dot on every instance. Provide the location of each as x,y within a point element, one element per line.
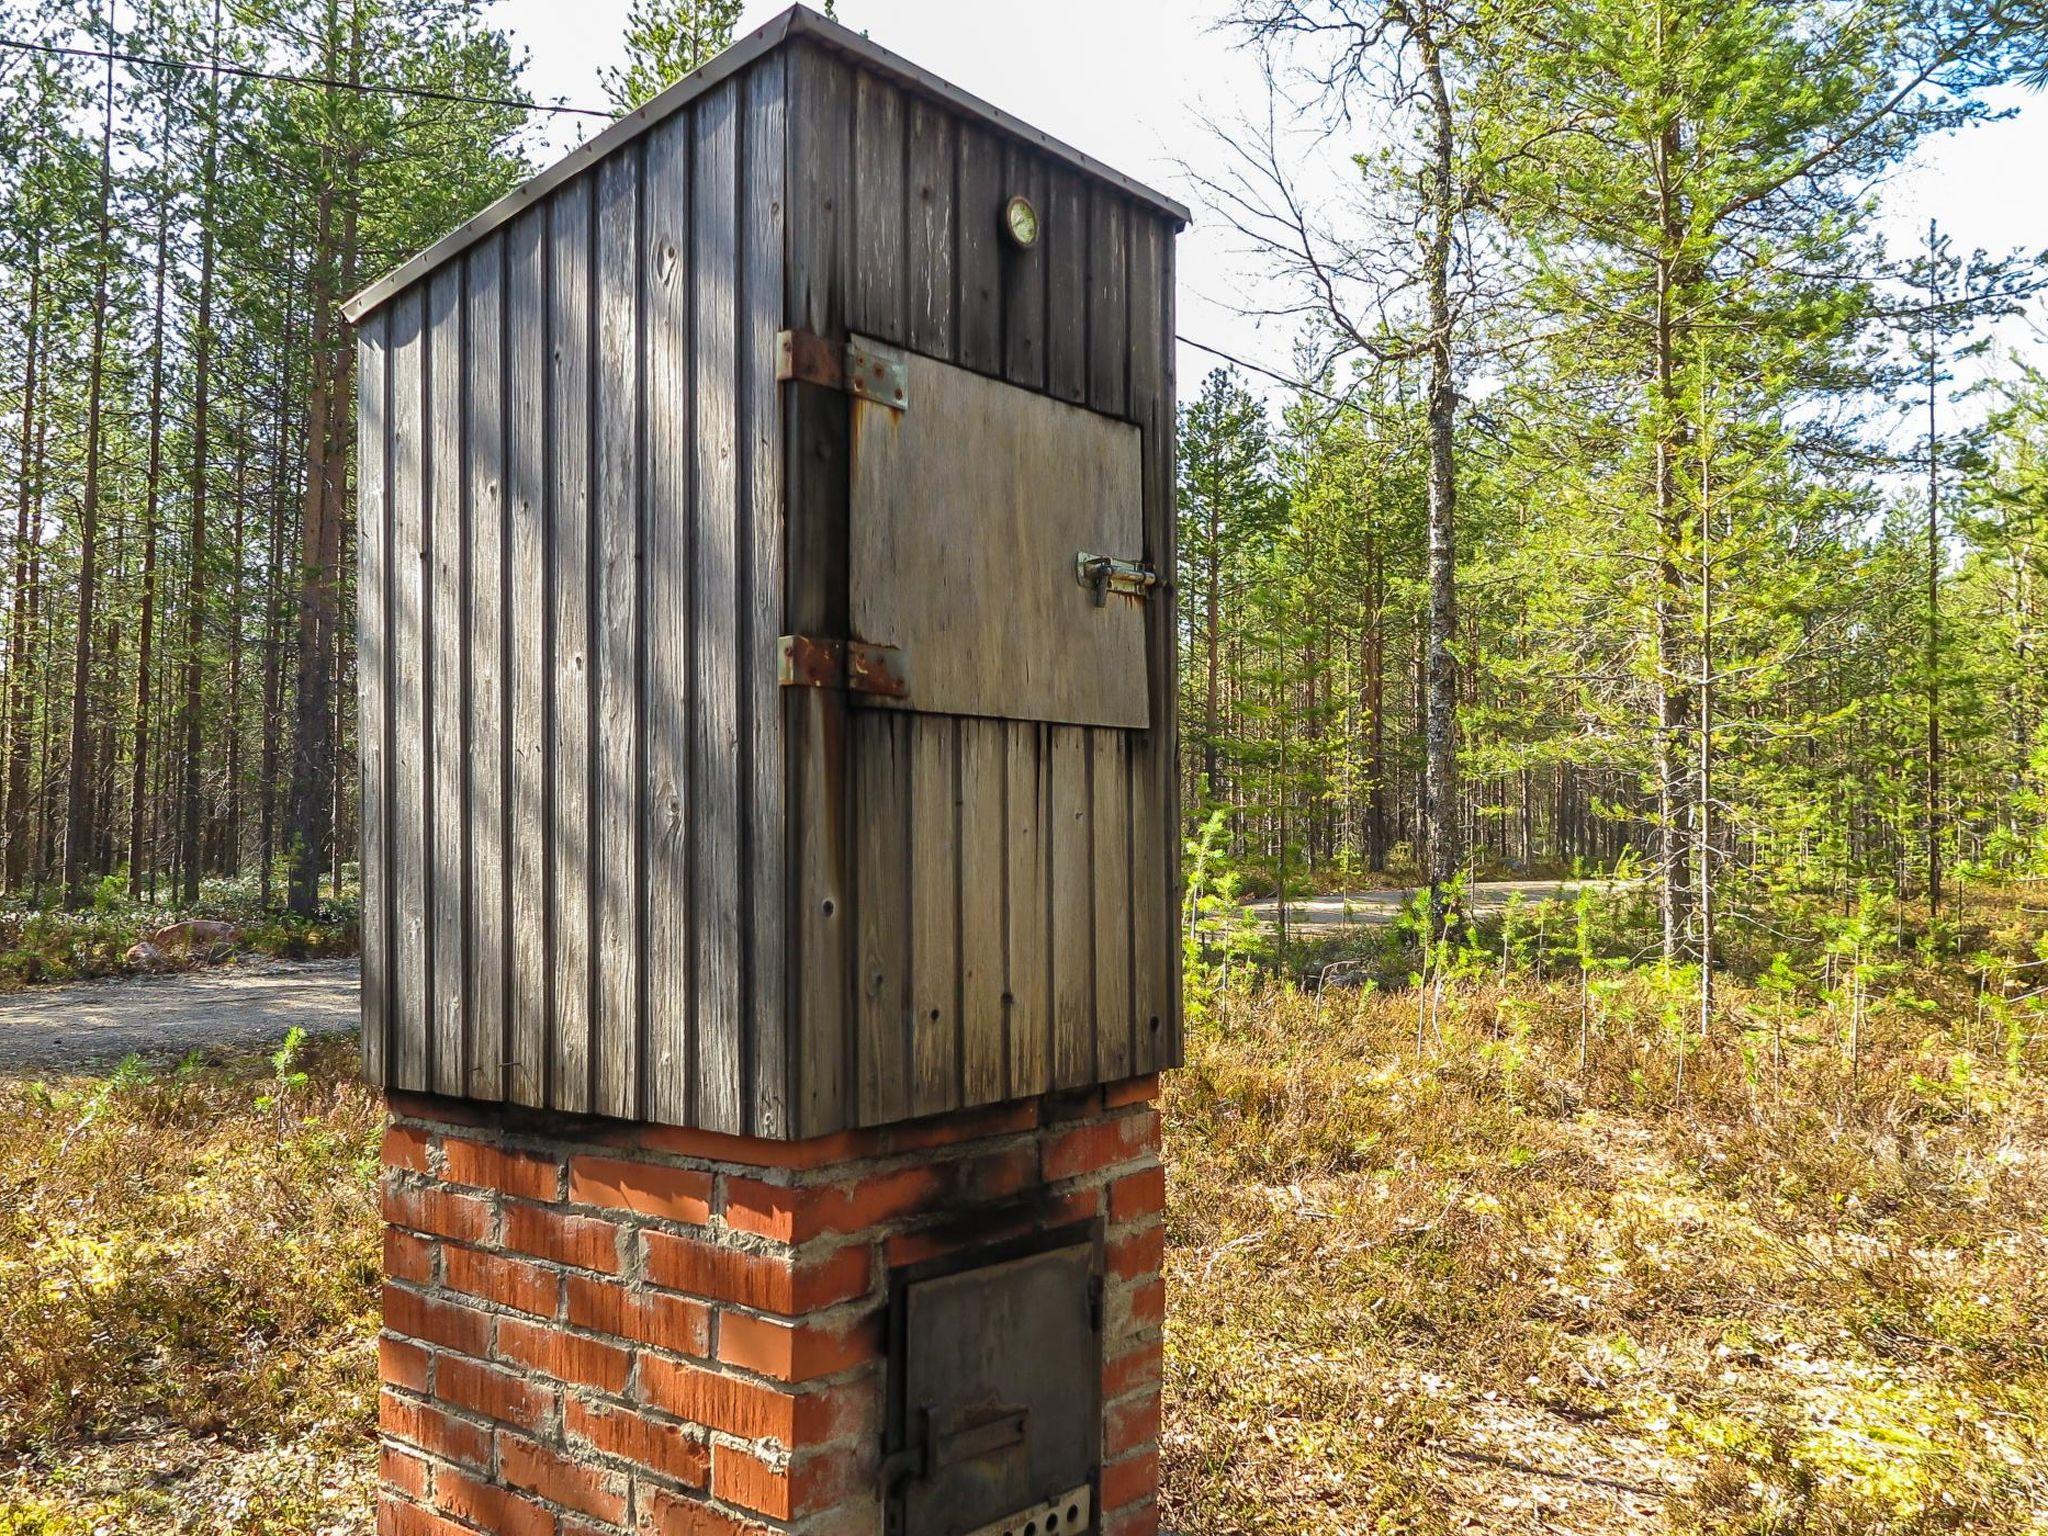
<point>1020,222</point>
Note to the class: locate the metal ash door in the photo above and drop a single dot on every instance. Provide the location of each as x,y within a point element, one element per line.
<point>1000,1370</point>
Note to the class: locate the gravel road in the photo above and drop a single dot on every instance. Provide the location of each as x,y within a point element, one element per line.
<point>250,1003</point>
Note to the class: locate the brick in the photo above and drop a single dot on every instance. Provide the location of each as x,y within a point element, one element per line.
<point>497,1510</point>
<point>565,1356</point>
<point>438,1322</point>
<point>527,1175</point>
<point>508,1282</point>
<point>415,1423</point>
<point>1129,1425</point>
<point>405,1147</point>
<point>586,1489</point>
<point>751,1410</point>
<point>492,1393</point>
<point>969,1125</point>
<point>400,1364</point>
<point>915,1247</point>
<point>1138,1253</point>
<point>747,1151</point>
<point>548,1232</point>
<point>401,1469</point>
<point>1138,1520</point>
<point>766,1281</point>
<point>397,1519</point>
<point>674,1323</point>
<point>407,1257</point>
<point>1101,1145</point>
<point>664,1514</point>
<point>426,1106</point>
<point>1136,1090</point>
<point>647,1189</point>
<point>796,1214</point>
<point>797,1351</point>
<point>426,1208</point>
<point>1140,1307</point>
<point>1136,1367</point>
<point>1133,1478</point>
<point>669,1450</point>
<point>1138,1195</point>
<point>783,1490</point>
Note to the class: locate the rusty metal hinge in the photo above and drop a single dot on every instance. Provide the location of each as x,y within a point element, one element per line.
<point>860,367</point>
<point>1104,574</point>
<point>855,665</point>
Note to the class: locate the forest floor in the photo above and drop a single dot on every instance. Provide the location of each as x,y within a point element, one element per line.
<point>1483,898</point>
<point>1499,1255</point>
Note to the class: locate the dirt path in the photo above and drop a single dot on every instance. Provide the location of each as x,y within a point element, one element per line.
<point>250,1003</point>
<point>1486,898</point>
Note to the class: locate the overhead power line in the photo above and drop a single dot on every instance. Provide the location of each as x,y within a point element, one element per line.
<point>1278,378</point>
<point>311,82</point>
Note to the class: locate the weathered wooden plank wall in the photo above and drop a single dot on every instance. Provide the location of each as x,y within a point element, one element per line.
<point>610,866</point>
<point>1005,904</point>
<point>572,580</point>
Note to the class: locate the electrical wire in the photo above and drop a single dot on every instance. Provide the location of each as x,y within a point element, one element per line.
<point>319,82</point>
<point>1277,378</point>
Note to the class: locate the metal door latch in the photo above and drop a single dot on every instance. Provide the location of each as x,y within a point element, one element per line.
<point>1104,574</point>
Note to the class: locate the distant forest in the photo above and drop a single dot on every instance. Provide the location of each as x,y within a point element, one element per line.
<point>1617,502</point>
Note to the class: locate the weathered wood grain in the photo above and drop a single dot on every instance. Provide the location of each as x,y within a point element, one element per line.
<point>1066,276</point>
<point>882,772</point>
<point>1028,852</point>
<point>571,370</point>
<point>615,865</point>
<point>445,680</point>
<point>1108,296</point>
<point>764,150</point>
<point>1071,912</point>
<point>1024,274</point>
<point>669,676</point>
<point>409,788</point>
<point>526,497</point>
<point>876,296</point>
<point>373,685</point>
<point>1109,796</point>
<point>716,907</point>
<point>978,258</point>
<point>934,876</point>
<point>485,952</point>
<point>982,925</point>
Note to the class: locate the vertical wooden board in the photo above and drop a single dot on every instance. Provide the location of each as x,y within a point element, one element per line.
<point>822,953</point>
<point>1154,787</point>
<point>928,225</point>
<point>876,298</point>
<point>1024,275</point>
<point>1109,791</point>
<point>410,1023</point>
<point>570,375</point>
<point>715,770</point>
<point>934,913</point>
<point>446,681</point>
<point>1166,745</point>
<point>765,155</point>
<point>1108,283</point>
<point>1027,850</point>
<point>668,677</point>
<point>1066,263</point>
<point>881,757</point>
<point>373,685</point>
<point>526,636</point>
<point>977,222</point>
<point>483,328</point>
<point>820,191</point>
<point>984,968</point>
<point>615,883</point>
<point>1073,920</point>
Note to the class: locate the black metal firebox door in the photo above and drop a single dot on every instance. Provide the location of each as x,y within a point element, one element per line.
<point>996,1381</point>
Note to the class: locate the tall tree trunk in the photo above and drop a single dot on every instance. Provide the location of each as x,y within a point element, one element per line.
<point>21,616</point>
<point>1932,660</point>
<point>140,850</point>
<point>195,582</point>
<point>1672,769</point>
<point>78,829</point>
<point>1440,760</point>
<point>231,819</point>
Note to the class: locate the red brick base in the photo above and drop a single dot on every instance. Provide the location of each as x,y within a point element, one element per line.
<point>593,1328</point>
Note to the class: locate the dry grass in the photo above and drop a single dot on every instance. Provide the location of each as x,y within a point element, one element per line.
<point>1476,1284</point>
<point>1489,1283</point>
<point>188,1267</point>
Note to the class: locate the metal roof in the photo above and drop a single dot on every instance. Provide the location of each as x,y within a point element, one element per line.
<point>797,21</point>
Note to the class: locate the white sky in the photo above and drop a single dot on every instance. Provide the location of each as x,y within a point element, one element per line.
<point>1132,81</point>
